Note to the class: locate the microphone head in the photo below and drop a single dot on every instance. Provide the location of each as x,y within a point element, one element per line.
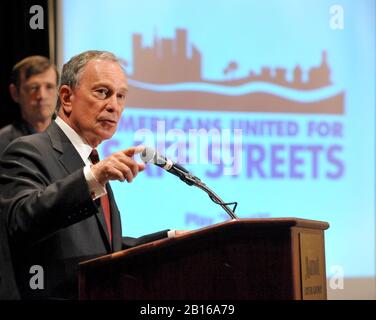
<point>147,155</point>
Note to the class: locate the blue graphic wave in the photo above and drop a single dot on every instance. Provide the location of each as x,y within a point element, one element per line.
<point>244,89</point>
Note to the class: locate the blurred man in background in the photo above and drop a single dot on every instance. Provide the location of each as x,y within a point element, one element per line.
<point>33,87</point>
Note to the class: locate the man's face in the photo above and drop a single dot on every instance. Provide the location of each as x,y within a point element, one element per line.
<point>37,96</point>
<point>98,101</point>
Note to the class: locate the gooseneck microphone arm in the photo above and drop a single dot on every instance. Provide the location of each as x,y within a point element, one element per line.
<point>149,155</point>
<point>216,199</point>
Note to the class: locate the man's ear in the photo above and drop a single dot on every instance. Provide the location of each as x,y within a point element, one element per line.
<point>65,96</point>
<point>14,92</point>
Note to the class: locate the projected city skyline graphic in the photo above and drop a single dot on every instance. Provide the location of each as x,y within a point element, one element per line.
<point>167,75</point>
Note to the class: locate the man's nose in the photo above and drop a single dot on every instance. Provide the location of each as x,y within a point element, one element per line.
<point>113,104</point>
<point>42,92</point>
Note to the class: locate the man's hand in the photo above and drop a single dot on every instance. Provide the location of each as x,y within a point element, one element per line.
<point>118,166</point>
<point>178,233</point>
<point>181,232</point>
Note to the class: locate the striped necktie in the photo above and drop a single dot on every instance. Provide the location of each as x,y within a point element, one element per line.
<point>105,203</point>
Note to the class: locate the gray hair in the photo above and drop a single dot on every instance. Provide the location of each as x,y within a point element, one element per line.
<point>72,70</point>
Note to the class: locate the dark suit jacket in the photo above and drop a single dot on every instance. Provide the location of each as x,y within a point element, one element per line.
<point>8,285</point>
<point>13,131</point>
<point>51,219</point>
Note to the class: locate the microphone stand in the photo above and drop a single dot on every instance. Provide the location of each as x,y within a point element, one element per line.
<point>192,180</point>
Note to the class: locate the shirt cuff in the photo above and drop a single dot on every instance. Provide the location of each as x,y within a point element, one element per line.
<point>171,234</point>
<point>95,188</point>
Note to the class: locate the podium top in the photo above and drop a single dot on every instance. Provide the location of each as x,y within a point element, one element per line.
<point>223,228</point>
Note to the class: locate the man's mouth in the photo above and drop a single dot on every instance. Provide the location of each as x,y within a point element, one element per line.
<point>109,121</point>
<point>43,105</point>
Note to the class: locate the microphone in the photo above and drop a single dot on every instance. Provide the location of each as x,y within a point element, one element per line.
<point>149,155</point>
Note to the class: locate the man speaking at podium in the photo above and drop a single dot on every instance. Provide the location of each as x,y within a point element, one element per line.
<point>55,197</point>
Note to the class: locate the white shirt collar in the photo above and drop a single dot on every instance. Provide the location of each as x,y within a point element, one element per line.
<point>81,146</point>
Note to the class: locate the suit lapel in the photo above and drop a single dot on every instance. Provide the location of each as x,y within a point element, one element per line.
<point>115,220</point>
<point>69,157</point>
<point>72,161</point>
<point>102,224</point>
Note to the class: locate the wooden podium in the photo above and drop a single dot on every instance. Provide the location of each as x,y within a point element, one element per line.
<point>282,258</point>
